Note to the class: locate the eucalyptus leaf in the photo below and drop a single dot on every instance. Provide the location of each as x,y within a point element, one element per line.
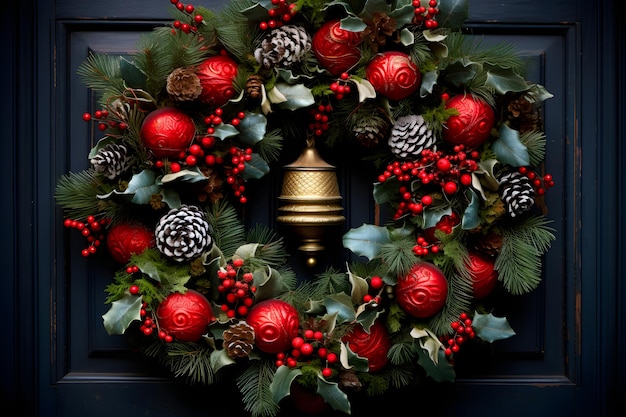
<point>491,328</point>
<point>366,240</point>
<point>509,149</point>
<point>121,314</point>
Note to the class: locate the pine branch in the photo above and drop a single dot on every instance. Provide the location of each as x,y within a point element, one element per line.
<point>398,255</point>
<point>535,142</point>
<point>154,60</point>
<point>229,231</point>
<point>272,252</point>
<point>102,73</point>
<point>77,194</point>
<point>331,281</point>
<point>254,385</point>
<point>190,361</point>
<point>235,32</point>
<point>270,147</point>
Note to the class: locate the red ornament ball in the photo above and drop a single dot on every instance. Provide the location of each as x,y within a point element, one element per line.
<point>125,239</point>
<point>167,132</point>
<point>307,401</point>
<point>472,126</point>
<point>484,276</point>
<point>373,345</point>
<point>275,324</point>
<point>216,76</point>
<point>423,291</point>
<point>336,48</point>
<point>185,316</point>
<point>393,75</point>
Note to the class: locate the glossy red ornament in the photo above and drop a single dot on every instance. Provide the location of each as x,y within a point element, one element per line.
<point>125,239</point>
<point>373,345</point>
<point>185,316</point>
<point>216,76</point>
<point>336,48</point>
<point>472,126</point>
<point>167,132</point>
<point>275,324</point>
<point>423,291</point>
<point>484,276</point>
<point>393,75</point>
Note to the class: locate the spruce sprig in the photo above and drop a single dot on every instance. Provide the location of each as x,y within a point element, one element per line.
<point>535,142</point>
<point>190,361</point>
<point>228,230</point>
<point>254,385</point>
<point>102,73</point>
<point>77,193</point>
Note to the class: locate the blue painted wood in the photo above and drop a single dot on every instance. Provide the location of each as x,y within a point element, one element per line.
<point>59,362</point>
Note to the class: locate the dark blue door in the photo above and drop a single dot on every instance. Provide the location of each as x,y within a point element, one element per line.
<point>564,359</point>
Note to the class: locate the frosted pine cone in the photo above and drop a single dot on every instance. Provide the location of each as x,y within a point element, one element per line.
<point>112,160</point>
<point>370,131</point>
<point>517,193</point>
<point>183,84</point>
<point>410,135</point>
<point>239,340</point>
<point>183,233</point>
<point>283,46</point>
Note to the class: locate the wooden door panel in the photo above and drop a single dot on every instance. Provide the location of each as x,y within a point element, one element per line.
<point>96,374</point>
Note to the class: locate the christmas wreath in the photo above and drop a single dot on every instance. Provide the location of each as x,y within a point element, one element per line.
<point>203,109</point>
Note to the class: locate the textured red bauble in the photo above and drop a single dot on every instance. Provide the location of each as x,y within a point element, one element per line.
<point>275,324</point>
<point>167,132</point>
<point>336,48</point>
<point>423,291</point>
<point>125,239</point>
<point>472,126</point>
<point>373,345</point>
<point>484,276</point>
<point>216,76</point>
<point>393,75</point>
<point>185,316</point>
<point>307,401</point>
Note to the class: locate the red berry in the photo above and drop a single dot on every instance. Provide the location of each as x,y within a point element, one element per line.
<point>376,282</point>
<point>134,289</point>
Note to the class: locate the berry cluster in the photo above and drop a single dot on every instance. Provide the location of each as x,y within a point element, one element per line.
<point>148,324</point>
<point>92,230</point>
<point>196,19</point>
<point>540,184</point>
<point>237,288</point>
<point>426,15</point>
<point>282,12</point>
<point>376,285</point>
<point>320,119</point>
<point>105,120</point>
<point>428,242</point>
<point>435,167</point>
<point>462,331</point>
<point>307,347</point>
<point>341,87</point>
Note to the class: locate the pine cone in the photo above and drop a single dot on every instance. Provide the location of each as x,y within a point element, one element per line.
<point>239,340</point>
<point>183,233</point>
<point>517,192</point>
<point>183,84</point>
<point>254,84</point>
<point>283,46</point>
<point>523,115</point>
<point>378,30</point>
<point>410,135</point>
<point>112,160</point>
<point>489,244</point>
<point>370,130</point>
<point>350,382</point>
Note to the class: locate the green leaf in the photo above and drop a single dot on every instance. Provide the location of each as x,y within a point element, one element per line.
<point>252,127</point>
<point>491,328</point>
<point>429,80</point>
<point>509,149</point>
<point>225,130</point>
<point>185,175</point>
<point>121,314</point>
<point>281,384</point>
<point>269,283</point>
<point>366,240</point>
<point>385,192</point>
<point>256,168</point>
<point>365,89</point>
<point>433,215</point>
<point>442,371</point>
<point>342,305</point>
<point>351,360</point>
<point>296,96</point>
<point>505,81</point>
<point>142,186</point>
<point>333,396</point>
<point>453,13</point>
<point>360,287</point>
<point>470,218</point>
<point>220,359</point>
<point>428,341</point>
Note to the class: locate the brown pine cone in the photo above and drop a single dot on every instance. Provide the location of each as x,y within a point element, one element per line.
<point>489,244</point>
<point>523,115</point>
<point>183,84</point>
<point>254,84</point>
<point>239,340</point>
<point>377,30</point>
<point>349,381</point>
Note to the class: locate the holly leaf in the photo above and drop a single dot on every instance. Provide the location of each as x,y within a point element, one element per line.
<point>269,283</point>
<point>432,216</point>
<point>341,305</point>
<point>256,168</point>
<point>504,81</point>
<point>365,89</point>
<point>360,287</point>
<point>252,128</point>
<point>333,396</point>
<point>428,341</point>
<point>219,358</point>
<point>429,80</point>
<point>185,175</point>
<point>351,360</point>
<point>256,12</point>
<point>441,371</point>
<point>470,218</point>
<point>491,328</point>
<point>509,149</point>
<point>281,383</point>
<point>295,96</point>
<point>452,13</point>
<point>152,264</point>
<point>225,130</point>
<point>121,314</point>
<point>385,191</point>
<point>140,188</point>
<point>366,240</point>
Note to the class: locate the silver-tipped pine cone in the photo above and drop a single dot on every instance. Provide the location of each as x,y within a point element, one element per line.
<point>410,135</point>
<point>183,233</point>
<point>517,193</point>
<point>370,131</point>
<point>284,46</point>
<point>112,160</point>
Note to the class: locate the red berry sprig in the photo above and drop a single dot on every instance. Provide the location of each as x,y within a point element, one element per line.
<point>428,242</point>
<point>236,287</point>
<point>195,19</point>
<point>106,120</point>
<point>540,184</point>
<point>320,116</point>
<point>308,346</point>
<point>341,87</point>
<point>426,15</point>
<point>92,230</point>
<point>376,286</point>
<point>463,330</point>
<point>148,325</point>
<point>281,12</point>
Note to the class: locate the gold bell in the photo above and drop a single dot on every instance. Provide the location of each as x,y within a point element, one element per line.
<point>310,201</point>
